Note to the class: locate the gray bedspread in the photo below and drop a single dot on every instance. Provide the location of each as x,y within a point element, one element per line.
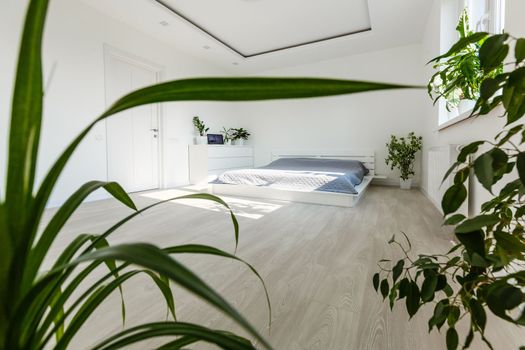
<point>301,174</point>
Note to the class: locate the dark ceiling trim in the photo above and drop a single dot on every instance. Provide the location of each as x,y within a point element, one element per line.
<point>201,28</point>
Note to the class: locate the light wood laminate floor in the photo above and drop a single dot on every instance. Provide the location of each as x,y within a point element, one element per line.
<point>317,262</point>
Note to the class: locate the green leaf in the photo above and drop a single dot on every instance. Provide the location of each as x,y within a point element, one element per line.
<point>155,259</point>
<point>26,119</point>
<point>520,165</point>
<point>455,219</point>
<point>452,339</point>
<point>519,50</point>
<point>58,221</point>
<point>488,87</point>
<point>468,149</point>
<point>477,223</point>
<point>428,288</point>
<point>462,175</point>
<point>461,44</point>
<point>453,315</point>
<point>439,316</point>
<point>375,281</point>
<point>449,171</point>
<point>502,297</point>
<point>384,288</point>
<point>162,329</point>
<point>412,299</point>
<point>478,314</point>
<point>484,170</point>
<point>509,242</point>
<point>493,52</point>
<point>453,198</point>
<point>404,286</point>
<point>473,241</point>
<point>468,339</point>
<point>397,270</point>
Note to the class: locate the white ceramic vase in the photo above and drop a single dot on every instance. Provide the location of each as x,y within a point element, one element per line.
<point>239,142</point>
<point>405,184</point>
<point>201,140</point>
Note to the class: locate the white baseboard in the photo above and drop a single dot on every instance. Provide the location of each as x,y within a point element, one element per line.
<point>391,182</point>
<point>437,205</point>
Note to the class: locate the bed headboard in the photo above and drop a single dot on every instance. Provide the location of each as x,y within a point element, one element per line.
<point>367,157</point>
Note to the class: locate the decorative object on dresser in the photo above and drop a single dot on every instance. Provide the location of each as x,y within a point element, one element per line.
<point>228,135</point>
<point>402,154</point>
<point>239,136</point>
<point>200,127</point>
<point>215,139</point>
<point>207,161</point>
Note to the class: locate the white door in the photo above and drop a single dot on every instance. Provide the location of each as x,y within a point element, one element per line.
<point>132,135</point>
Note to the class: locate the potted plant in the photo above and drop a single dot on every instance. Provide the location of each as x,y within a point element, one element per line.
<point>459,74</point>
<point>228,135</point>
<point>201,129</point>
<point>482,277</point>
<point>239,136</point>
<point>402,154</point>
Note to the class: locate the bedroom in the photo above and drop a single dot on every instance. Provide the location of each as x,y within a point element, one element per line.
<point>315,247</point>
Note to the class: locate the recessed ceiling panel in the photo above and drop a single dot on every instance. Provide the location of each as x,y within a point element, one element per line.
<point>255,27</point>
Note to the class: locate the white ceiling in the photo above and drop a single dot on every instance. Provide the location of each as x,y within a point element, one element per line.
<point>275,24</point>
<point>254,26</point>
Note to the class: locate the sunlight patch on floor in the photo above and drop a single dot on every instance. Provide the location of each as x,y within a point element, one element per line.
<point>244,207</point>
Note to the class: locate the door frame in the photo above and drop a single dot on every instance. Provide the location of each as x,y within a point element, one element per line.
<point>158,70</point>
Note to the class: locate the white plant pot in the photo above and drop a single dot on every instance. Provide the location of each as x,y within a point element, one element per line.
<point>465,106</point>
<point>201,140</point>
<point>227,143</point>
<point>239,142</point>
<point>405,184</point>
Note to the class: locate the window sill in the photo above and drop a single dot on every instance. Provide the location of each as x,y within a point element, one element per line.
<point>457,119</point>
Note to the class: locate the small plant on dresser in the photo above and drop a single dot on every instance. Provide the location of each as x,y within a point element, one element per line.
<point>402,155</point>
<point>228,135</point>
<point>239,136</point>
<point>201,129</point>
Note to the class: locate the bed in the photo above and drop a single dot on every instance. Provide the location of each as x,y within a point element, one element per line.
<point>328,178</point>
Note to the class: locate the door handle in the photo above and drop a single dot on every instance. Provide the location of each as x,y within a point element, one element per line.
<point>155,130</point>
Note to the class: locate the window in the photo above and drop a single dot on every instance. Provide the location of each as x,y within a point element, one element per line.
<point>486,15</point>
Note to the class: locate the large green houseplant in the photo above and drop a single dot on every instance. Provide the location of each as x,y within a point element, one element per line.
<point>484,271</point>
<point>44,309</point>
<point>402,155</point>
<point>459,75</point>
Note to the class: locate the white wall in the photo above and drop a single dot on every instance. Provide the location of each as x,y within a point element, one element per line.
<point>473,129</point>
<point>361,121</point>
<point>74,40</point>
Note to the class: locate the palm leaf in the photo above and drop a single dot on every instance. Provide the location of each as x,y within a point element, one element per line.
<point>38,253</point>
<point>151,257</point>
<point>190,332</point>
<point>26,118</point>
<point>203,249</point>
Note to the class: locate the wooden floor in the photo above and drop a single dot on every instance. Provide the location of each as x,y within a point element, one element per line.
<point>317,262</point>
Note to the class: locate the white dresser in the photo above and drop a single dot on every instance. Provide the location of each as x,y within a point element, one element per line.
<point>208,161</point>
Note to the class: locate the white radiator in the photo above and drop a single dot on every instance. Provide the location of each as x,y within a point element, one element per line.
<point>440,159</point>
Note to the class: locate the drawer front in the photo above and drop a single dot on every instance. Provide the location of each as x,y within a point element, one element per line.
<point>228,163</point>
<point>225,152</point>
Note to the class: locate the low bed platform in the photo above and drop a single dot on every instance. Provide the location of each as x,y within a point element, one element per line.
<point>367,158</point>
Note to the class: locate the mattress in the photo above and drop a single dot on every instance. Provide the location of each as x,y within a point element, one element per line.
<point>301,174</point>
